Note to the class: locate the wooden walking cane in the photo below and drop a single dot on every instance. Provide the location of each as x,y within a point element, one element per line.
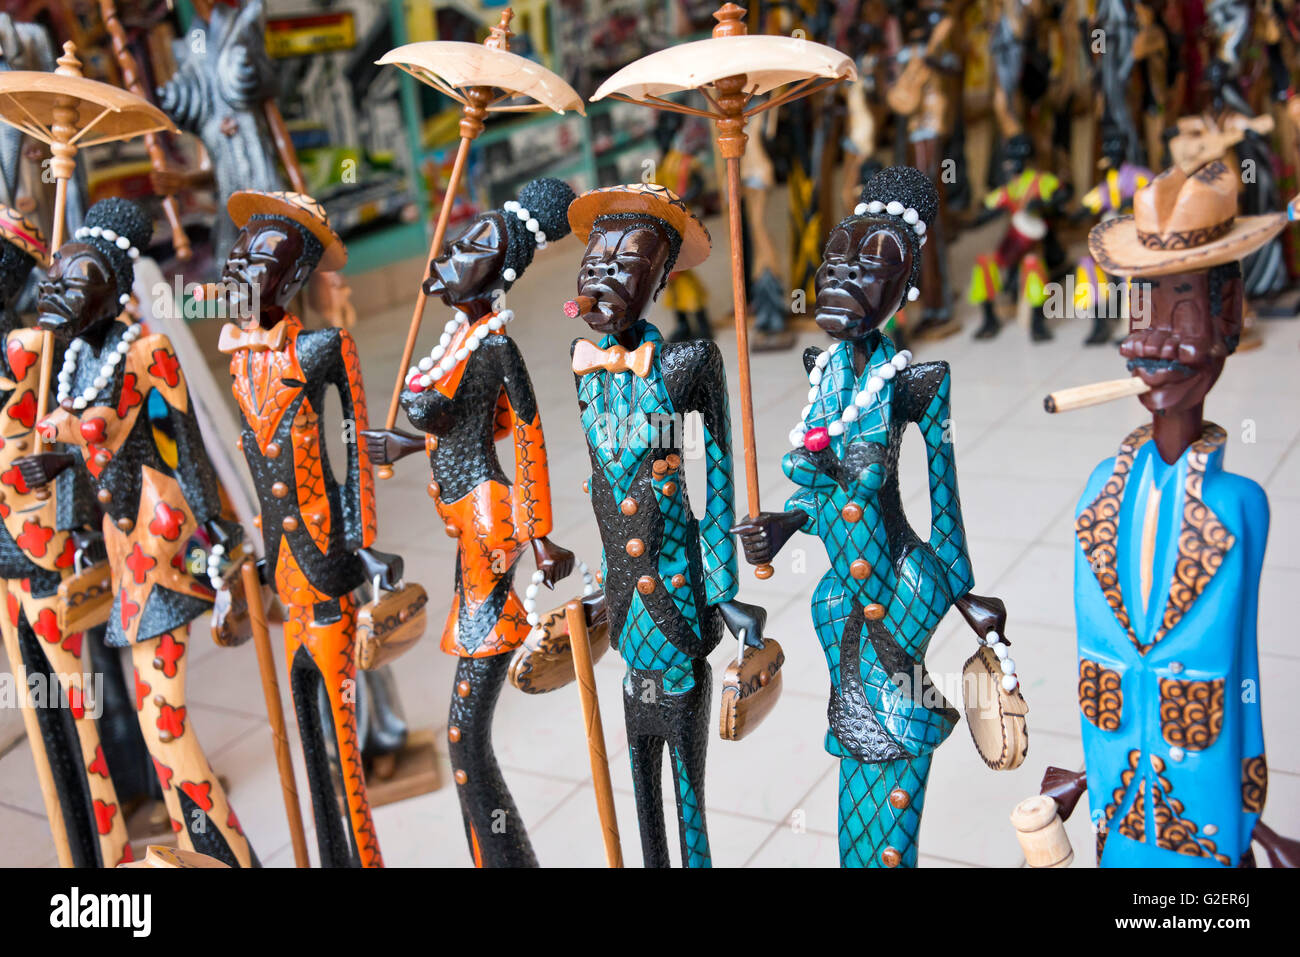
<point>69,112</point>
<point>153,144</point>
<point>44,773</point>
<point>274,710</point>
<point>478,78</point>
<point>737,67</point>
<point>576,617</point>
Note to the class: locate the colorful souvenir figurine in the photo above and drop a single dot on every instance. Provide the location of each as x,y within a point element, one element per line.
<point>919,98</point>
<point>1112,197</point>
<point>318,533</point>
<point>1032,198</point>
<point>123,404</point>
<point>470,391</point>
<point>36,554</point>
<point>669,578</point>
<point>1167,571</point>
<point>877,607</point>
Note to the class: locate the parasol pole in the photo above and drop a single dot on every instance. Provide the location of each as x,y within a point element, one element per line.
<point>475,111</point>
<point>153,144</point>
<point>274,710</point>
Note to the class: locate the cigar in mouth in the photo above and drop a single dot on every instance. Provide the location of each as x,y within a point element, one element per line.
<point>1083,396</point>
<point>579,306</point>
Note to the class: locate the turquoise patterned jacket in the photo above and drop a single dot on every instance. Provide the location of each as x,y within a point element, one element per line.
<point>663,570</point>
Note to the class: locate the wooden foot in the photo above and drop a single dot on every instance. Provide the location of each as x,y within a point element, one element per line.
<point>414,771</point>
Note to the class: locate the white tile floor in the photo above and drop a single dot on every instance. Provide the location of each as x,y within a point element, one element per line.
<point>771,798</point>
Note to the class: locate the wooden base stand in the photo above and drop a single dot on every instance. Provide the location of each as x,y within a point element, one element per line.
<point>408,773</point>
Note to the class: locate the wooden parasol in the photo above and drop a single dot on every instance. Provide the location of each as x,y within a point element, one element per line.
<point>482,79</point>
<point>730,69</point>
<point>69,112</point>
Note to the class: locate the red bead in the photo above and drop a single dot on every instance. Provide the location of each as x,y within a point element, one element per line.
<point>92,430</point>
<point>816,440</point>
<point>414,385</point>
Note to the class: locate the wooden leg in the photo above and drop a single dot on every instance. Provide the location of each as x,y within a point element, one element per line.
<point>182,768</point>
<point>49,794</point>
<point>578,640</point>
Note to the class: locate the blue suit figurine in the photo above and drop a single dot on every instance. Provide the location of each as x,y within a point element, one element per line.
<point>877,608</point>
<point>669,579</point>
<point>1170,549</point>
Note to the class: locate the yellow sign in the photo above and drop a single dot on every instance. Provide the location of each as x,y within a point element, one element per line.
<point>303,36</point>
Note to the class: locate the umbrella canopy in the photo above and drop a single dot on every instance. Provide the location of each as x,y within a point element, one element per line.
<point>767,62</point>
<point>28,100</point>
<point>451,66</point>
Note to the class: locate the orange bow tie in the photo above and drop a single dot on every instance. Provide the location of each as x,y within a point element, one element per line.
<point>588,357</point>
<point>233,337</point>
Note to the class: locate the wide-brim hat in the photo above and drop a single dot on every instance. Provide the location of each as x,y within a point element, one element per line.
<point>1182,222</point>
<point>23,232</point>
<point>307,212</point>
<point>649,199</point>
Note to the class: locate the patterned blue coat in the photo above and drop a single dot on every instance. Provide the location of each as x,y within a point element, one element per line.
<point>1166,592</point>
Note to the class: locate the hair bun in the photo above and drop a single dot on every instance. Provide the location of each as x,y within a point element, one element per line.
<point>907,185</point>
<point>124,218</point>
<point>547,200</point>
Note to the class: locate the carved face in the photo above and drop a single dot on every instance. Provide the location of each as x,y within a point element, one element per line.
<point>470,266</point>
<point>863,277</point>
<point>262,269</point>
<point>621,270</point>
<point>78,294</point>
<point>1174,343</point>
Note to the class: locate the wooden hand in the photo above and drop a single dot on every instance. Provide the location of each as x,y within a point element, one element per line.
<point>555,563</point>
<point>985,616</point>
<point>386,446</point>
<point>387,568</point>
<point>43,468</point>
<point>742,616</point>
<point>90,543</point>
<point>1065,787</point>
<point>763,535</point>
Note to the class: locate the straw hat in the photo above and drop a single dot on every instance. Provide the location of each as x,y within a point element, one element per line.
<point>23,232</point>
<point>307,212</point>
<point>649,199</point>
<point>1182,222</point>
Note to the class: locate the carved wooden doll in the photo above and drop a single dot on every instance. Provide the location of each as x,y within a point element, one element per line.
<point>876,610</point>
<point>124,406</point>
<point>472,389</point>
<point>669,578</point>
<point>318,533</point>
<point>36,553</point>
<point>1112,197</point>
<point>1170,549</point>
<point>1032,198</point>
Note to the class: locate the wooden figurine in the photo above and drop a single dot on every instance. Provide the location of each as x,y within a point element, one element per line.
<point>124,408</point>
<point>1110,198</point>
<point>877,607</point>
<point>919,99</point>
<point>670,579</point>
<point>470,391</point>
<point>317,531</point>
<point>36,555</point>
<point>1032,198</point>
<point>1170,549</point>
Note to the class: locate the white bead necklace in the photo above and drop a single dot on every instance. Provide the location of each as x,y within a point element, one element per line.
<point>1008,665</point>
<point>106,369</point>
<point>440,362</point>
<point>534,586</point>
<point>801,434</point>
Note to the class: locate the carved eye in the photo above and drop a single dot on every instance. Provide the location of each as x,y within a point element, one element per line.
<point>611,270</point>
